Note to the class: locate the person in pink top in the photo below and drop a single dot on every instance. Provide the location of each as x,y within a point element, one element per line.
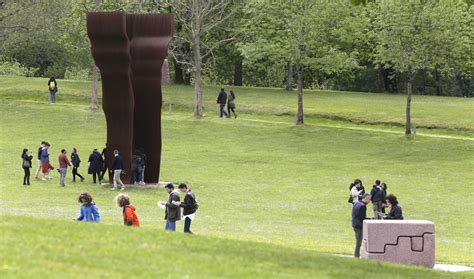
<point>63,164</point>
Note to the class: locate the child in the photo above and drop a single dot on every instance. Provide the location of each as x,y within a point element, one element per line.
<point>129,216</point>
<point>89,212</point>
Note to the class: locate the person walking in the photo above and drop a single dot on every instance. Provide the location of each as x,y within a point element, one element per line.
<point>222,101</point>
<point>395,209</point>
<point>76,161</point>
<point>378,199</point>
<point>143,165</point>
<point>89,211</point>
<point>40,149</point>
<point>63,165</point>
<point>172,209</point>
<point>104,163</point>
<point>53,89</point>
<point>95,165</point>
<point>117,167</point>
<point>189,206</point>
<point>359,214</point>
<point>27,157</point>
<point>46,167</point>
<point>231,104</point>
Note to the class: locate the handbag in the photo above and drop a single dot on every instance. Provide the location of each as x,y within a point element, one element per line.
<point>351,199</point>
<point>26,164</point>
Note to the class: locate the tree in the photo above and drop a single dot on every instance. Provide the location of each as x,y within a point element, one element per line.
<point>310,34</point>
<point>199,18</point>
<point>417,35</point>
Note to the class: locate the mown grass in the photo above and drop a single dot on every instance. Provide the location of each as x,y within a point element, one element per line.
<point>54,249</point>
<point>256,180</point>
<point>428,112</point>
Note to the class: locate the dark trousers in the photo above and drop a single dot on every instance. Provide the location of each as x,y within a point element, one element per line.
<point>104,171</point>
<point>26,178</point>
<point>358,237</point>
<point>74,173</point>
<point>230,110</point>
<point>96,175</point>
<point>222,108</point>
<point>187,225</point>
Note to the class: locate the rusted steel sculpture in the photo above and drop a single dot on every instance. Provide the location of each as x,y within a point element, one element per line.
<point>129,50</point>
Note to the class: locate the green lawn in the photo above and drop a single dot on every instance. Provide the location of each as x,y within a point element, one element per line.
<point>258,179</point>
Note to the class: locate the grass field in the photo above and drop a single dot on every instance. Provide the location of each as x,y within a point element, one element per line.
<point>273,195</point>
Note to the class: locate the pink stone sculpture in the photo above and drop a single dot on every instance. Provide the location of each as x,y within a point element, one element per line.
<point>400,241</point>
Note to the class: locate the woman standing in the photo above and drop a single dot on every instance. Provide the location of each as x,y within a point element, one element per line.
<point>75,160</point>
<point>53,88</point>
<point>231,104</point>
<point>26,165</point>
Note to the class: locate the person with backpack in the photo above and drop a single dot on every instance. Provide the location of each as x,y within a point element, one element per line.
<point>231,104</point>
<point>76,161</point>
<point>27,157</point>
<point>378,199</point>
<point>128,212</point>
<point>189,206</point>
<point>40,149</point>
<point>222,101</point>
<point>137,165</point>
<point>53,89</point>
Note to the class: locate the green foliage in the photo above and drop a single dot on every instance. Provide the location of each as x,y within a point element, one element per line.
<point>13,68</point>
<point>77,73</point>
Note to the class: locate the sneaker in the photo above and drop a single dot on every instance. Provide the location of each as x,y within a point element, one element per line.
<point>135,183</point>
<point>113,189</point>
<point>142,183</point>
<point>82,179</point>
<point>49,177</point>
<point>122,189</point>
<point>44,178</point>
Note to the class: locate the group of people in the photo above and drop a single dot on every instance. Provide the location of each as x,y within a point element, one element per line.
<point>97,165</point>
<point>224,99</point>
<point>380,200</point>
<point>90,213</point>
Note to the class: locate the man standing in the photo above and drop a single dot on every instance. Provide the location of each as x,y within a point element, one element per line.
<point>117,167</point>
<point>222,101</point>
<point>359,213</point>
<point>378,199</point>
<point>40,149</point>
<point>189,206</point>
<point>104,164</point>
<point>172,209</point>
<point>63,164</point>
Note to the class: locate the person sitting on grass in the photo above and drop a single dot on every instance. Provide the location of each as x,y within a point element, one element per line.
<point>89,211</point>
<point>395,209</point>
<point>129,216</point>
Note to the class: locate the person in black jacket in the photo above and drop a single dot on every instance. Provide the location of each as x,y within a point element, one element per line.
<point>222,101</point>
<point>395,209</point>
<point>117,167</point>
<point>104,164</point>
<point>95,165</point>
<point>359,214</point>
<point>26,165</point>
<point>378,199</point>
<point>173,211</point>
<point>189,206</point>
<point>75,161</point>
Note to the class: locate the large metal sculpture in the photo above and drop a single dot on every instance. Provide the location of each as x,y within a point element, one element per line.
<point>129,50</point>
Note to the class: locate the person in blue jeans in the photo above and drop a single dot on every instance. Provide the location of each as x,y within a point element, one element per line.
<point>222,101</point>
<point>359,214</point>
<point>172,208</point>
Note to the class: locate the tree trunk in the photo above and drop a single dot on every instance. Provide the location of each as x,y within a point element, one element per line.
<point>95,87</point>
<point>238,72</point>
<point>299,116</point>
<point>178,73</point>
<point>408,109</point>
<point>198,111</point>
<point>289,78</point>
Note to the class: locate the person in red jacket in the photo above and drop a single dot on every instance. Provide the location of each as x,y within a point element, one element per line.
<point>63,164</point>
<point>129,216</point>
